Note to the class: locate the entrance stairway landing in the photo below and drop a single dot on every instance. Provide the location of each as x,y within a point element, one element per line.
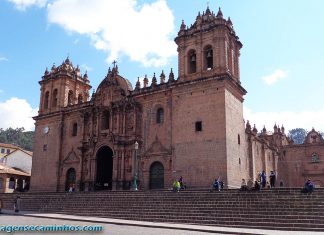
<point>283,209</point>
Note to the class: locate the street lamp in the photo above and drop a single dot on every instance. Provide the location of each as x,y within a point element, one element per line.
<point>135,167</point>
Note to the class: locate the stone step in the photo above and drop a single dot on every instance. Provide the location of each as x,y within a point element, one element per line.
<point>282,208</point>
<point>225,221</point>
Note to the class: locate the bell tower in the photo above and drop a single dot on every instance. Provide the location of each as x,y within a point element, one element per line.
<point>208,47</point>
<point>63,86</point>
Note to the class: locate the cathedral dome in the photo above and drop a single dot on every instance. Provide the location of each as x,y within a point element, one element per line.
<point>113,78</point>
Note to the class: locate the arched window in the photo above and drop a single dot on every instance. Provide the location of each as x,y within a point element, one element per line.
<point>70,98</point>
<point>46,100</point>
<point>105,120</point>
<point>80,99</point>
<point>208,58</point>
<point>160,115</point>
<point>192,61</point>
<point>238,139</point>
<point>54,100</point>
<point>75,129</point>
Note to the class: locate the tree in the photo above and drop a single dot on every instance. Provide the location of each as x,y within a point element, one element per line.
<point>17,137</point>
<point>297,135</point>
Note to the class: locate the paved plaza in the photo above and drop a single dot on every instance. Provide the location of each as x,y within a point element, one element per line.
<point>123,227</point>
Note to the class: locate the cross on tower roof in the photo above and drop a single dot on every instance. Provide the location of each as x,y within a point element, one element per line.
<point>114,63</point>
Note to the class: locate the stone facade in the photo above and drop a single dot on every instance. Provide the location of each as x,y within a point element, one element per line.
<point>303,161</point>
<point>191,126</point>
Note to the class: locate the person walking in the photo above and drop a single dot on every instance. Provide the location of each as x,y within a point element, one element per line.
<point>17,204</point>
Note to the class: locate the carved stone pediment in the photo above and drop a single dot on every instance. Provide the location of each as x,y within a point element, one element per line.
<point>71,158</point>
<point>157,148</point>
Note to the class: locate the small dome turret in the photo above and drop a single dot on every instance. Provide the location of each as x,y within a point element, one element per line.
<point>145,81</point>
<point>138,84</point>
<point>264,130</point>
<point>162,77</point>
<point>219,13</point>
<point>171,76</point>
<point>46,72</point>
<point>67,61</point>
<point>183,25</point>
<point>53,69</point>
<point>248,126</point>
<point>154,81</point>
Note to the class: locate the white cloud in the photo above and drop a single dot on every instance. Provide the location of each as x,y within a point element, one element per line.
<point>141,32</point>
<point>17,112</point>
<point>306,119</point>
<point>3,59</point>
<point>23,4</point>
<point>274,77</point>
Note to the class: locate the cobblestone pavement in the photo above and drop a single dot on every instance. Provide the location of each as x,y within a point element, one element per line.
<point>110,229</point>
<point>126,227</point>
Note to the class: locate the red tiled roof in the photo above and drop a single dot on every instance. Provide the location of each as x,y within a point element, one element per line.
<point>8,146</point>
<point>16,148</point>
<point>8,170</point>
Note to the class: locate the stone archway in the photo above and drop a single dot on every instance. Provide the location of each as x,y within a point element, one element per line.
<point>104,172</point>
<point>70,179</point>
<point>156,176</point>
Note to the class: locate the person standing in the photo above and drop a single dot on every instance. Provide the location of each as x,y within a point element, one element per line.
<point>272,179</point>
<point>263,179</point>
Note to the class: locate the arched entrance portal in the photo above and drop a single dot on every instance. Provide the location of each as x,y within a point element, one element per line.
<point>156,176</point>
<point>104,168</point>
<point>70,179</point>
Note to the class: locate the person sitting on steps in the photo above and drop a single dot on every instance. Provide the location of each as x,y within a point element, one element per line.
<point>243,185</point>
<point>176,186</point>
<point>308,187</point>
<point>217,185</point>
<point>250,184</point>
<point>257,186</point>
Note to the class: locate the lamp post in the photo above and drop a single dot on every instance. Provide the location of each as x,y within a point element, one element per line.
<point>135,168</point>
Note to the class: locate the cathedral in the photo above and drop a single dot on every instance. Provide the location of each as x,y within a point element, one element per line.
<point>144,137</point>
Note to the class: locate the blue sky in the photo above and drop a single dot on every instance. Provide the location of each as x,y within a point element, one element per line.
<point>281,60</point>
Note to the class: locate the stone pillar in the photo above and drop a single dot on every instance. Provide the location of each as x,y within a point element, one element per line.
<point>115,171</point>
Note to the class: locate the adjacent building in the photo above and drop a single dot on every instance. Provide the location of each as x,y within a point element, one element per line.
<point>15,169</point>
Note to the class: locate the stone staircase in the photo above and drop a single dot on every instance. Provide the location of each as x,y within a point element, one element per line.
<point>285,209</point>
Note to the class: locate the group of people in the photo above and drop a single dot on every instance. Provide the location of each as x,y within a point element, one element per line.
<point>178,185</point>
<point>260,183</point>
